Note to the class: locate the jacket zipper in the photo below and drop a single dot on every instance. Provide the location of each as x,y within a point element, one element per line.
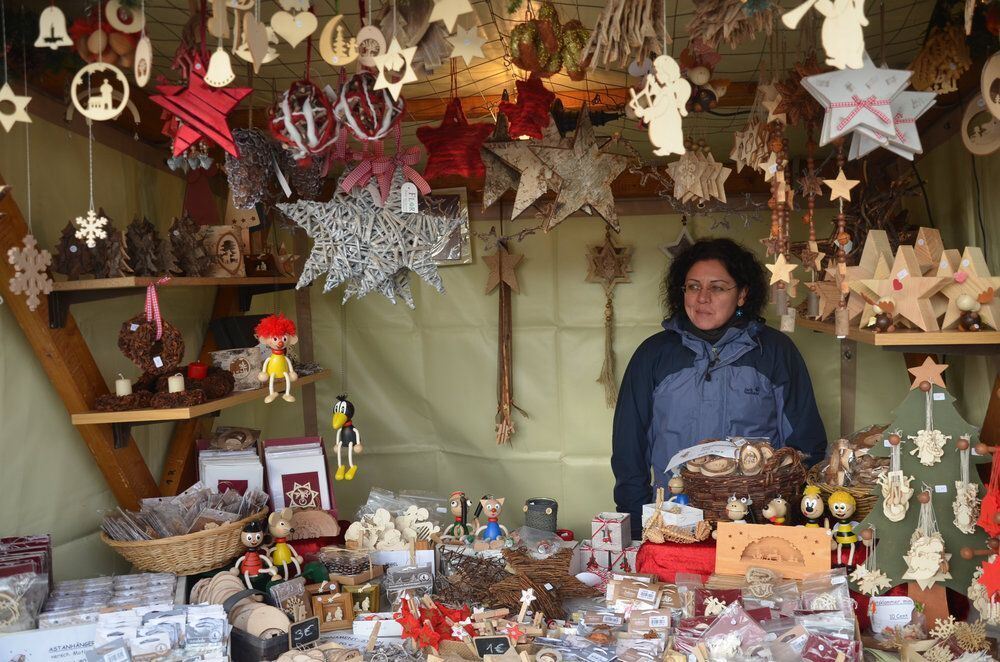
<point>711,364</point>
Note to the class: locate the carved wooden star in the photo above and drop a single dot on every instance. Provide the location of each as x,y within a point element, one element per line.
<point>609,264</point>
<point>499,177</point>
<point>770,167</point>
<point>773,112</point>
<point>972,278</point>
<point>502,264</point>
<point>467,44</point>
<point>810,184</point>
<point>812,256</point>
<point>928,248</point>
<point>534,177</point>
<point>587,174</point>
<point>448,11</point>
<point>929,371</point>
<point>828,294</point>
<point>395,59</point>
<point>841,186</point>
<point>909,291</point>
<point>201,109</point>
<point>781,270</point>
<point>860,288</point>
<point>683,242</point>
<point>20,107</point>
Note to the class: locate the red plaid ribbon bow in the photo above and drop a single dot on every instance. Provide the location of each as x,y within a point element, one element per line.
<point>153,306</point>
<point>377,164</point>
<point>857,104</point>
<point>899,119</point>
<point>604,522</point>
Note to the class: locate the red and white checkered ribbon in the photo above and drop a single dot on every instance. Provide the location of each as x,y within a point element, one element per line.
<point>153,306</point>
<point>604,527</point>
<point>377,164</point>
<point>857,104</point>
<point>899,119</point>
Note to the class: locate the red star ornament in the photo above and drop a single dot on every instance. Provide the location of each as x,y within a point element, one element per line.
<point>453,146</point>
<point>199,109</point>
<point>991,577</point>
<point>531,112</point>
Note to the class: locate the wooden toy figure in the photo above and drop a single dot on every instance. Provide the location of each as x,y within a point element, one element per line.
<point>252,563</point>
<point>812,508</point>
<point>280,527</point>
<point>492,530</point>
<point>278,333</point>
<point>738,509</point>
<point>842,507</point>
<point>459,505</point>
<point>676,486</point>
<point>661,104</point>
<point>347,435</point>
<point>776,511</point>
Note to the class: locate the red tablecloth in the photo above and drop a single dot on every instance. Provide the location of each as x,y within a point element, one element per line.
<point>667,559</point>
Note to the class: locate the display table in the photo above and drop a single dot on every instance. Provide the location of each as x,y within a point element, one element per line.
<point>667,559</point>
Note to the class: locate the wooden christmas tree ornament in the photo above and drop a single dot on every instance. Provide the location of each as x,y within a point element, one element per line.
<point>335,47</point>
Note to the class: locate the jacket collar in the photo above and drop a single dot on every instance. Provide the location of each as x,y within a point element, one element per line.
<point>737,340</point>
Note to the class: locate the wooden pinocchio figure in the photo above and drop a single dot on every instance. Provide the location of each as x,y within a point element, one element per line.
<point>278,333</point>
<point>279,525</point>
<point>812,508</point>
<point>347,435</point>
<point>842,507</point>
<point>252,564</point>
<point>459,506</point>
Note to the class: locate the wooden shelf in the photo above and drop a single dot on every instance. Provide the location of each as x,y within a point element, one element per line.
<point>181,281</point>
<point>136,416</point>
<point>982,341</point>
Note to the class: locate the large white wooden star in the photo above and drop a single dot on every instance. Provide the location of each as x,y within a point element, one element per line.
<point>395,60</point>
<point>448,11</point>
<point>467,44</point>
<point>20,112</point>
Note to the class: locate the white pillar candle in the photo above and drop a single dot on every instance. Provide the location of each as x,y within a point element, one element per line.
<point>123,386</point>
<point>175,383</point>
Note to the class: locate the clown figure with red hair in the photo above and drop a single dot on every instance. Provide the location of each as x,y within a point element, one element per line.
<point>278,333</point>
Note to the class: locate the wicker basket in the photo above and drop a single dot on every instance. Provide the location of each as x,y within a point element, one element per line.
<point>189,554</point>
<point>864,496</point>
<point>710,493</point>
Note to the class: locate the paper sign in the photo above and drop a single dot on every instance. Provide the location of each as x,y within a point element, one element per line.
<point>941,489</point>
<point>720,448</point>
<point>939,396</point>
<point>889,612</point>
<point>408,198</point>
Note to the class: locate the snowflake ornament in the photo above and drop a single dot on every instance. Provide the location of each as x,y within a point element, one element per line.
<point>30,271</point>
<point>943,629</point>
<point>90,228</point>
<point>929,446</point>
<point>459,632</point>
<point>873,582</point>
<point>714,606</point>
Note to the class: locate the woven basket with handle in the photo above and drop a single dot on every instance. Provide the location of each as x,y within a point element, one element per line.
<point>710,493</point>
<point>189,554</point>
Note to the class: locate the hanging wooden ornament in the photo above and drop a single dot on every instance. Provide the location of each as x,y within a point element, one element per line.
<point>259,41</point>
<point>142,69</point>
<point>19,112</point>
<point>218,22</point>
<point>448,11</point>
<point>123,18</point>
<point>730,21</point>
<point>499,177</point>
<point>840,188</point>
<point>661,104</point>
<point>980,129</point>
<point>533,177</point>
<point>502,264</point>
<point>842,32</point>
<point>220,69</point>
<point>453,146</point>
<point>794,102</point>
<point>52,29</point>
<point>781,270</point>
<point>467,44</point>
<point>294,22</point>
<point>626,32</point>
<point>906,109</point>
<point>395,60</point>
<point>989,84</point>
<point>335,47</point>
<point>201,109</point>
<point>90,228</point>
<point>869,578</point>
<point>530,114</point>
<point>609,264</point>
<point>683,241</point>
<point>896,489</point>
<point>367,114</point>
<point>827,293</point>
<point>30,271</point>
<point>966,504</point>
<point>113,91</point>
<point>926,559</point>
<point>587,173</point>
<point>942,60</point>
<point>697,176</point>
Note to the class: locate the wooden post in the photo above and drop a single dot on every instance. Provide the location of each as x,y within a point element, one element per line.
<point>71,369</point>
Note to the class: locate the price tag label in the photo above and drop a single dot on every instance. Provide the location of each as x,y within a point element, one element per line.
<point>133,327</point>
<point>611,619</point>
<point>646,595</point>
<point>941,489</point>
<point>838,579</point>
<point>939,396</point>
<point>408,198</point>
<point>303,633</point>
<point>157,361</point>
<point>902,273</point>
<point>659,621</point>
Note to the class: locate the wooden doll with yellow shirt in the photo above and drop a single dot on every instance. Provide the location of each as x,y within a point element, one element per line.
<point>278,333</point>
<point>279,525</point>
<point>842,507</point>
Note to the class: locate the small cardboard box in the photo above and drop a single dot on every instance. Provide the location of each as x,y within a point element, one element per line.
<point>611,532</point>
<point>624,561</point>
<point>587,555</point>
<point>674,514</point>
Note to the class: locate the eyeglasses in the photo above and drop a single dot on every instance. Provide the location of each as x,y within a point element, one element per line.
<point>694,289</point>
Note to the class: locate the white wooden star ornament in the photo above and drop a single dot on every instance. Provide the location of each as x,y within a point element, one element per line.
<point>906,109</point>
<point>19,113</point>
<point>840,188</point>
<point>448,11</point>
<point>395,60</point>
<point>781,270</point>
<point>467,44</point>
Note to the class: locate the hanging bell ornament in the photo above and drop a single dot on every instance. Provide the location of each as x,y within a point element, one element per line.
<point>220,69</point>
<point>52,29</point>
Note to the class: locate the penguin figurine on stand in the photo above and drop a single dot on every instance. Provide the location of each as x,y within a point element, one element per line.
<point>347,435</point>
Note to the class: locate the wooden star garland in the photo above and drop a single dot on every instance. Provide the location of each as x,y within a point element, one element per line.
<point>781,270</point>
<point>609,265</point>
<point>840,188</point>
<point>586,172</point>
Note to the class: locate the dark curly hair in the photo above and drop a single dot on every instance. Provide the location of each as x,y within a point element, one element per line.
<point>741,264</point>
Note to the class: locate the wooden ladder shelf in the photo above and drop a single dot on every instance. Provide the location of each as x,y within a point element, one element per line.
<point>63,354</point>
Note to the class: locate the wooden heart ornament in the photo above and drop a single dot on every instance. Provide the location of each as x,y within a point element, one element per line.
<point>294,28</point>
<point>897,285</point>
<point>256,38</point>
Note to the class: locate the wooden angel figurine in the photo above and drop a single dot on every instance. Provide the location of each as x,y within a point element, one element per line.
<point>279,525</point>
<point>842,34</point>
<point>252,563</point>
<point>278,333</point>
<point>661,104</point>
<point>347,435</point>
<point>459,506</point>
<point>492,530</point>
<point>842,507</point>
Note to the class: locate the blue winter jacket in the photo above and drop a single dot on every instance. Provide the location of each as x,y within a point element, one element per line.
<point>679,389</point>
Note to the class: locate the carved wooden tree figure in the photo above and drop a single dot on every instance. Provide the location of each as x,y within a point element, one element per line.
<point>188,241</point>
<point>72,258</point>
<point>144,246</point>
<point>112,258</point>
<point>931,436</point>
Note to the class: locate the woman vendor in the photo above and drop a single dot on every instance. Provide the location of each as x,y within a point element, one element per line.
<point>715,371</point>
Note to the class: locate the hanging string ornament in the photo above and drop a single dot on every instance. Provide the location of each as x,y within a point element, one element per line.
<point>966,504</point>
<point>609,264</point>
<point>795,102</point>
<point>896,490</point>
<point>626,32</point>
<point>731,21</point>
<point>368,114</point>
<point>942,60</point>
<point>453,146</point>
<point>661,104</point>
<point>929,442</point>
<point>543,45</point>
<point>868,577</point>
<point>302,120</point>
<point>142,66</point>
<point>926,559</point>
<point>530,114</point>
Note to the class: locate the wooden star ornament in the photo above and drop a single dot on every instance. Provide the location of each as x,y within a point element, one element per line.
<point>840,188</point>
<point>448,11</point>
<point>781,270</point>
<point>971,278</point>
<point>533,176</point>
<point>467,44</point>
<point>395,60</point>
<point>828,296</point>
<point>608,263</point>
<point>499,177</point>
<point>683,242</point>
<point>587,173</point>
<point>929,371</point>
<point>502,264</point>
<point>19,113</point>
<point>908,290</point>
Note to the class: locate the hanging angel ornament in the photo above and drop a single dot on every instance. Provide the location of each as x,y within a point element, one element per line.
<point>661,104</point>
<point>966,504</point>
<point>929,442</point>
<point>926,560</point>
<point>870,579</point>
<point>843,29</point>
<point>896,490</point>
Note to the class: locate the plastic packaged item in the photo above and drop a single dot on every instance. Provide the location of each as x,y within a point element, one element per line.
<point>712,602</point>
<point>827,591</point>
<point>539,544</point>
<point>733,635</point>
